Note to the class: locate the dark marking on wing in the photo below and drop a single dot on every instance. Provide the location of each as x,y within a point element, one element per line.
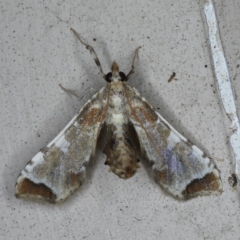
<point>28,187</point>
<point>208,183</point>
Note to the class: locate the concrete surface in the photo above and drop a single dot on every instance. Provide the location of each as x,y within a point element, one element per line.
<point>38,52</point>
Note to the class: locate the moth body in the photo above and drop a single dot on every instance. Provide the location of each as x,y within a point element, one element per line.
<point>120,150</point>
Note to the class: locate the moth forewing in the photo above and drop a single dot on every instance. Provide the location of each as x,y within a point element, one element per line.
<point>59,169</point>
<point>180,167</point>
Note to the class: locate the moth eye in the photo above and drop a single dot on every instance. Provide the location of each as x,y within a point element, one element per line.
<point>122,76</point>
<point>108,77</point>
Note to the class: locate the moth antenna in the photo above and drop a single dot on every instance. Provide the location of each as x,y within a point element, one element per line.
<point>91,50</point>
<point>132,69</point>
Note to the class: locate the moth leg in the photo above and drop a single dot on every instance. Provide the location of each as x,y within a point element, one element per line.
<point>69,91</point>
<point>91,50</point>
<point>132,69</point>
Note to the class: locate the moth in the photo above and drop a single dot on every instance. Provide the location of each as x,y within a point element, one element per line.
<point>178,166</point>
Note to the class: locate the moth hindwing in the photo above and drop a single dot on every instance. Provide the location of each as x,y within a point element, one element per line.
<point>180,167</point>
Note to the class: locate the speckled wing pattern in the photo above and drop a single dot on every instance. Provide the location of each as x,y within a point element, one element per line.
<point>59,169</point>
<point>180,167</point>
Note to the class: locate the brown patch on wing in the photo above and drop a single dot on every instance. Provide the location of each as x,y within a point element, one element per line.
<point>161,176</point>
<point>147,118</point>
<point>209,183</point>
<point>28,187</point>
<point>75,179</point>
<point>148,115</point>
<point>91,117</point>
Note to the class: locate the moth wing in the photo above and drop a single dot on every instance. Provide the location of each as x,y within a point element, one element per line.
<point>180,167</point>
<point>59,169</point>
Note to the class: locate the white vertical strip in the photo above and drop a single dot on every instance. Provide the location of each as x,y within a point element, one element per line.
<point>223,79</point>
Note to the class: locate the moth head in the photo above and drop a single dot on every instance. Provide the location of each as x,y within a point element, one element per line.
<point>115,75</point>
<point>125,169</point>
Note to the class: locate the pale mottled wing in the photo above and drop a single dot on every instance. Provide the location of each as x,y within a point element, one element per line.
<point>59,169</point>
<point>179,167</point>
